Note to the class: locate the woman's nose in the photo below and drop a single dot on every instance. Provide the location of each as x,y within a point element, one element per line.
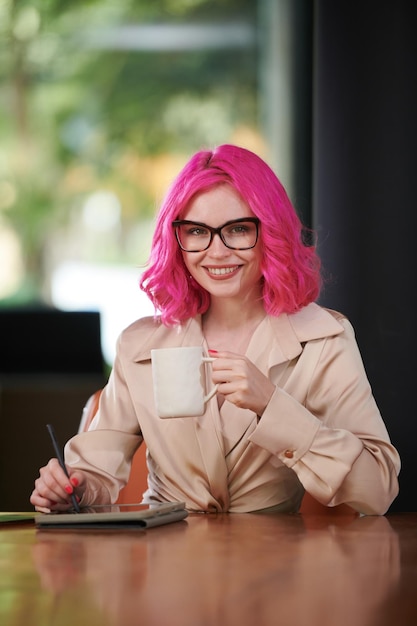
<point>217,247</point>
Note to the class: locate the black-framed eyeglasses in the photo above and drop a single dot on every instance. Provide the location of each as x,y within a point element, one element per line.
<point>240,234</point>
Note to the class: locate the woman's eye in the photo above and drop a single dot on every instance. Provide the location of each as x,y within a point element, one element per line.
<point>238,230</point>
<point>197,231</point>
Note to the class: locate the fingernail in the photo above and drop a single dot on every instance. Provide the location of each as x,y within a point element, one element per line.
<point>213,351</point>
<point>74,482</point>
<point>69,489</point>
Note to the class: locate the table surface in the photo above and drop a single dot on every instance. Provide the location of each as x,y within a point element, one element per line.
<point>243,569</point>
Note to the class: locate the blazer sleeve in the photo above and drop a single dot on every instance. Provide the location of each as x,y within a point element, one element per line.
<point>106,450</point>
<point>328,429</point>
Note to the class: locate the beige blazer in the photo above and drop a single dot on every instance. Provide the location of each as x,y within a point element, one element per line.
<point>321,432</point>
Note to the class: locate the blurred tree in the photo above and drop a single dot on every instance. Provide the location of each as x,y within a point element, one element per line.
<point>80,115</point>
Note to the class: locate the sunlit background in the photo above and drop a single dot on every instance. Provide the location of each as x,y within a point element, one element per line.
<point>102,102</point>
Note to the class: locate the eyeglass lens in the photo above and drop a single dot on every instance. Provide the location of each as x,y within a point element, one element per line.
<point>240,235</point>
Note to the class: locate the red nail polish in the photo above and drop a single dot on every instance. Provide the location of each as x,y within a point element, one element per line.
<point>68,489</point>
<point>74,482</point>
<point>213,351</point>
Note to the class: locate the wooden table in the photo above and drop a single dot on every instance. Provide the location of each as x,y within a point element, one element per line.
<point>208,570</point>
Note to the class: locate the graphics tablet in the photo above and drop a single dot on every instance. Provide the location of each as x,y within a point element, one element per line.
<point>116,516</point>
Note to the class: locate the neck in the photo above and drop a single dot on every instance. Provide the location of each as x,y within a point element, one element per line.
<point>231,314</point>
<point>229,326</point>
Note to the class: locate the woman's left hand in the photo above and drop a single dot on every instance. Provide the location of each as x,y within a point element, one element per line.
<point>241,382</point>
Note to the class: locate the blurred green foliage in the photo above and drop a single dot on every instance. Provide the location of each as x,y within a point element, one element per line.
<point>75,118</point>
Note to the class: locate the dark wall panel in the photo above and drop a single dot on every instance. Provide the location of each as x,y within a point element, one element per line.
<point>364,200</point>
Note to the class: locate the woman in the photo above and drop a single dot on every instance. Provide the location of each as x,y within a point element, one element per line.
<point>231,270</point>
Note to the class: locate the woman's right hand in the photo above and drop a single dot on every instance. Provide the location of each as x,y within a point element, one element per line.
<point>53,489</point>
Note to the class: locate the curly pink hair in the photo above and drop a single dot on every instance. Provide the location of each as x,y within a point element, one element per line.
<point>290,268</point>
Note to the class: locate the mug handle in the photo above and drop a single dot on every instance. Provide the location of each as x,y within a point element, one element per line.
<point>209,359</point>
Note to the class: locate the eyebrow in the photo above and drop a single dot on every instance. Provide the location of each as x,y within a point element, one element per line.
<point>253,219</point>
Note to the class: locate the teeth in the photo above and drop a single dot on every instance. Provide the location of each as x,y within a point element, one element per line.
<point>219,271</point>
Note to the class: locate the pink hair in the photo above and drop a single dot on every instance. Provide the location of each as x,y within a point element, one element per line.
<point>291,269</point>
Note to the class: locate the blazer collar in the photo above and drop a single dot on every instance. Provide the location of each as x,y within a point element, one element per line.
<point>160,336</point>
<point>288,334</point>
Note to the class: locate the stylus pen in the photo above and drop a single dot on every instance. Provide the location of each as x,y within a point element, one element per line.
<point>61,462</point>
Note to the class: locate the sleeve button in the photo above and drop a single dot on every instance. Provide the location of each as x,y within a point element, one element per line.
<point>289,454</point>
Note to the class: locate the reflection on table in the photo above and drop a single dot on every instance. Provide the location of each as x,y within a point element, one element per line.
<point>215,570</point>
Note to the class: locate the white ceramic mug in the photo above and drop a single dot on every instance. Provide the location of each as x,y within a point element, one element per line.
<point>179,381</point>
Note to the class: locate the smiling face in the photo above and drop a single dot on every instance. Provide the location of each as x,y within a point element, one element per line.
<point>223,272</point>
